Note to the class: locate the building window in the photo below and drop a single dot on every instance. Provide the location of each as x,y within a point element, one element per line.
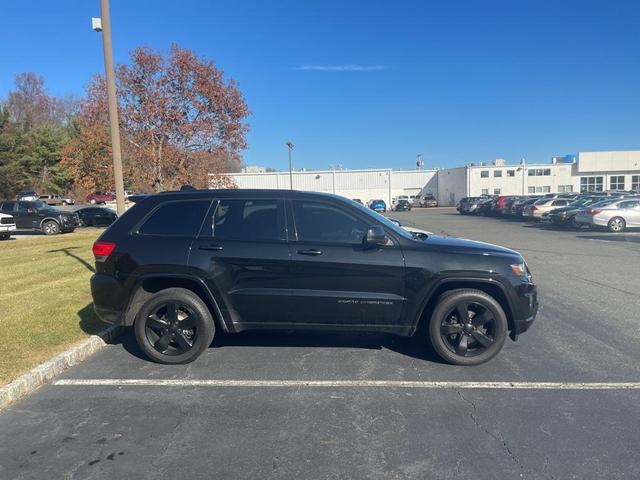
<point>497,173</point>
<point>531,190</point>
<point>484,191</point>
<point>591,184</point>
<point>496,191</point>
<point>635,183</point>
<point>511,173</point>
<point>546,189</point>
<point>484,173</point>
<point>616,182</point>
<point>538,189</point>
<point>539,172</point>
<point>565,188</point>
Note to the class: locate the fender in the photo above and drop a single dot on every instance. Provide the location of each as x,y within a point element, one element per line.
<point>449,280</point>
<point>222,321</point>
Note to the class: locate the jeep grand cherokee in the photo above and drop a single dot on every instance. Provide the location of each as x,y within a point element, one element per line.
<point>180,266</point>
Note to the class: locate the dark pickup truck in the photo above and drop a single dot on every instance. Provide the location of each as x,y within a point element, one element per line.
<point>40,216</point>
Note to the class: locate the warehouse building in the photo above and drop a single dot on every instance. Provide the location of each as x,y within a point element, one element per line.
<point>383,184</point>
<point>587,171</point>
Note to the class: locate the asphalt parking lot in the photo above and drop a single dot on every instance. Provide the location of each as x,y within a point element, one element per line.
<point>293,405</point>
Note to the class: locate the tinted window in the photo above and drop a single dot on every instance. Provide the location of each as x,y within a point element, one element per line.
<point>247,220</point>
<point>24,207</point>
<point>629,204</point>
<point>8,206</point>
<point>176,218</point>
<point>319,222</point>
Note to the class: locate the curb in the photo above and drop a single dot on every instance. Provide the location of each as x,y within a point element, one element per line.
<point>45,372</point>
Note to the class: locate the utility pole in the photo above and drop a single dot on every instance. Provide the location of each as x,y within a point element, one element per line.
<point>105,27</point>
<point>290,145</point>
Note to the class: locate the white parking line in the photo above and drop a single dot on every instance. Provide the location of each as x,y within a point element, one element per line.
<point>349,384</point>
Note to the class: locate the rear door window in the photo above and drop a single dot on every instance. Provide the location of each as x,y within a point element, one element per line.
<point>181,218</point>
<point>248,220</point>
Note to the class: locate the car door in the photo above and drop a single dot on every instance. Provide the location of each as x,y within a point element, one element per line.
<point>630,212</point>
<point>243,255</point>
<point>26,216</point>
<point>336,279</point>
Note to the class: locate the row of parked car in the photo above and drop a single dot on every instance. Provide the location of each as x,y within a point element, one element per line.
<point>39,216</point>
<point>93,198</point>
<point>615,211</point>
<point>402,203</point>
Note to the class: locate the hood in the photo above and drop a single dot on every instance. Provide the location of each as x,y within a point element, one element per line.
<point>463,245</point>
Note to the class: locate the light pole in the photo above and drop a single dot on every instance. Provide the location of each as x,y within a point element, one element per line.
<point>419,161</point>
<point>290,145</point>
<point>104,25</point>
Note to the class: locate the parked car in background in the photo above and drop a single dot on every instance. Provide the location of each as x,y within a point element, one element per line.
<point>27,195</point>
<point>416,232</point>
<point>358,201</point>
<point>96,216</point>
<point>7,225</point>
<point>40,216</point>
<point>501,204</point>
<point>395,200</point>
<point>464,203</point>
<point>55,199</point>
<point>517,207</point>
<point>402,206</point>
<point>378,205</point>
<point>428,201</point>
<point>616,215</point>
<point>100,197</point>
<point>566,216</point>
<point>317,261</point>
<point>535,210</point>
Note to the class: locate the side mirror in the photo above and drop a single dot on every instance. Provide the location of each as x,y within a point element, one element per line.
<point>376,236</point>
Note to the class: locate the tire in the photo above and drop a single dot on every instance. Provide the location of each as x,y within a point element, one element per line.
<point>5,236</point>
<point>573,224</point>
<point>150,332</point>
<point>451,346</point>
<point>50,227</point>
<point>617,225</point>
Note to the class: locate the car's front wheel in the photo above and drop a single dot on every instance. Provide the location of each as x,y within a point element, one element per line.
<point>468,327</point>
<point>174,326</point>
<point>50,227</point>
<point>5,236</point>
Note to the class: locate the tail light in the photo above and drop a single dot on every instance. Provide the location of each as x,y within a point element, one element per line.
<point>534,208</point>
<point>593,211</point>
<point>102,250</point>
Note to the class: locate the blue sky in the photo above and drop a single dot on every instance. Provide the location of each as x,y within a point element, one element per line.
<point>373,83</point>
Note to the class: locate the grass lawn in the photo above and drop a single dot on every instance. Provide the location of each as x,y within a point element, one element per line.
<point>45,298</point>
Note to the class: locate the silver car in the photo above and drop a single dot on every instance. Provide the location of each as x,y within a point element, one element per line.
<point>616,215</point>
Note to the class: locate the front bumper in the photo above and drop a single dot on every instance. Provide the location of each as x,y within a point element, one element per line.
<point>525,308</point>
<point>7,228</point>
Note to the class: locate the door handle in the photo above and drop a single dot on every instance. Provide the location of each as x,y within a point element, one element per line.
<point>212,248</point>
<point>311,251</point>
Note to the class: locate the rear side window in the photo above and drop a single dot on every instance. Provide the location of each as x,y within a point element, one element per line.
<point>176,219</point>
<point>246,220</point>
<point>8,206</point>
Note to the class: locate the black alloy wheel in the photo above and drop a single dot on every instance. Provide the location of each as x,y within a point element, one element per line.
<point>468,327</point>
<point>171,329</point>
<point>174,326</point>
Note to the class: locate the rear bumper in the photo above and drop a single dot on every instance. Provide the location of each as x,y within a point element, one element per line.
<point>109,299</point>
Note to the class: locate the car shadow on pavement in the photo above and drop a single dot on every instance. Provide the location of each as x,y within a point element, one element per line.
<point>612,237</point>
<point>415,347</point>
<point>89,321</point>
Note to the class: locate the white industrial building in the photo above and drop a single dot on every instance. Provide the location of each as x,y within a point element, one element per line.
<point>588,171</point>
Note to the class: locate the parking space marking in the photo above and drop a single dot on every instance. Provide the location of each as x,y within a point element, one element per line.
<point>109,382</point>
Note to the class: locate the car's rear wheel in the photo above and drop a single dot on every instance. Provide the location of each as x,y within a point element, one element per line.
<point>174,326</point>
<point>468,327</point>
<point>50,227</point>
<point>617,224</point>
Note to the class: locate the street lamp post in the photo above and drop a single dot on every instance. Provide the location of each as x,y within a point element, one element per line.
<point>105,26</point>
<point>290,145</point>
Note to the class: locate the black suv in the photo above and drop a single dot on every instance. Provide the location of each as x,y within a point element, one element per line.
<point>40,216</point>
<point>179,266</point>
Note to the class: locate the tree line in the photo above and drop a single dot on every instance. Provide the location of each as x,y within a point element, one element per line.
<point>180,120</point>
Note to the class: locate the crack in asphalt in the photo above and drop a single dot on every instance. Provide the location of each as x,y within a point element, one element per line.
<point>497,437</point>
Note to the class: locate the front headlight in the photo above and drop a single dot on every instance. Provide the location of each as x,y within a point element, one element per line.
<point>521,271</point>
